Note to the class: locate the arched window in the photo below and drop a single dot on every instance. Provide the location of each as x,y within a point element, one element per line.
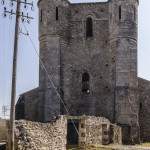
<point>85,83</point>
<point>89,27</point>
<point>120,13</point>
<point>56,13</point>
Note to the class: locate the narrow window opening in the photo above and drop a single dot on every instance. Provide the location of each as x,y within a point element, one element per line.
<point>89,27</point>
<point>134,13</point>
<point>85,83</point>
<point>41,15</point>
<point>57,13</point>
<point>141,106</point>
<point>120,15</point>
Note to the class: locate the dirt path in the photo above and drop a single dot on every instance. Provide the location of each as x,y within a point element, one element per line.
<point>112,147</point>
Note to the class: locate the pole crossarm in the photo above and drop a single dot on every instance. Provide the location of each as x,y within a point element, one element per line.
<point>21,14</point>
<point>25,2</point>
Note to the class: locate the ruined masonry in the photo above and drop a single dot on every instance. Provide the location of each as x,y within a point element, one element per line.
<point>90,53</point>
<point>52,136</point>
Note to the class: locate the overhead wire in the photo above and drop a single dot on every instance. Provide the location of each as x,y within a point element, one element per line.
<point>50,78</point>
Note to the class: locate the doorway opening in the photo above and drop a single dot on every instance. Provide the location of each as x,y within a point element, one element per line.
<point>72,134</point>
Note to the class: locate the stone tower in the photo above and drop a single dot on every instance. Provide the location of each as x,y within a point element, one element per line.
<point>76,57</point>
<point>52,33</point>
<point>123,43</point>
<point>89,56</point>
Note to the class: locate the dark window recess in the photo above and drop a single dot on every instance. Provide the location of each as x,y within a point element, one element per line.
<point>134,13</point>
<point>106,65</point>
<point>41,15</point>
<point>85,83</point>
<point>141,106</point>
<point>120,13</point>
<point>89,27</point>
<point>57,13</point>
<point>101,77</point>
<point>82,125</point>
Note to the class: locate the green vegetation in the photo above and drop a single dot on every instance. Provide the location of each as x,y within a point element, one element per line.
<point>145,144</point>
<point>3,131</point>
<point>94,147</point>
<point>87,148</point>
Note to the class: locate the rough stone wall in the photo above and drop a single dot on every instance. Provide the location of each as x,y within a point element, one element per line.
<point>123,43</point>
<point>98,130</point>
<point>53,136</point>
<point>29,105</point>
<point>67,54</point>
<point>53,36</point>
<point>91,131</point>
<point>144,110</point>
<point>89,55</point>
<point>41,136</point>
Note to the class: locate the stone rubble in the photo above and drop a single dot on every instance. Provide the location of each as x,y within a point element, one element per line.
<point>41,136</point>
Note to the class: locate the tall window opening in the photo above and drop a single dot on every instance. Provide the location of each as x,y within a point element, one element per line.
<point>89,27</point>
<point>141,106</point>
<point>134,13</point>
<point>57,13</point>
<point>120,13</point>
<point>41,15</point>
<point>85,83</point>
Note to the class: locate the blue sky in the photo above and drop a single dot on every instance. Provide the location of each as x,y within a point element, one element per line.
<point>27,72</point>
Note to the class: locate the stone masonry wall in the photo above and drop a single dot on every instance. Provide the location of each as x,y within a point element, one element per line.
<point>144,110</point>
<point>41,136</point>
<point>88,55</point>
<point>53,136</point>
<point>29,105</point>
<point>96,131</point>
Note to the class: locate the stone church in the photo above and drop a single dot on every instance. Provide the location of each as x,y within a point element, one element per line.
<point>88,66</point>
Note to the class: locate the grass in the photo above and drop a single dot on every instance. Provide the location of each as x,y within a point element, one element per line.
<point>3,133</point>
<point>94,147</point>
<point>86,148</point>
<point>145,144</point>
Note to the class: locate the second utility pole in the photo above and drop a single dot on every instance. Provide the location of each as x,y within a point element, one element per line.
<point>14,70</point>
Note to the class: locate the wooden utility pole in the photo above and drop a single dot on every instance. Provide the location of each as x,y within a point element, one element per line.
<point>14,70</point>
<point>18,14</point>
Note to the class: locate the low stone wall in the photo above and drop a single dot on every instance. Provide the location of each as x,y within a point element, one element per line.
<point>98,130</point>
<point>53,136</point>
<point>41,136</point>
<point>144,109</point>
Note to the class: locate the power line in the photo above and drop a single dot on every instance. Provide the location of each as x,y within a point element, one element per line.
<point>50,79</point>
